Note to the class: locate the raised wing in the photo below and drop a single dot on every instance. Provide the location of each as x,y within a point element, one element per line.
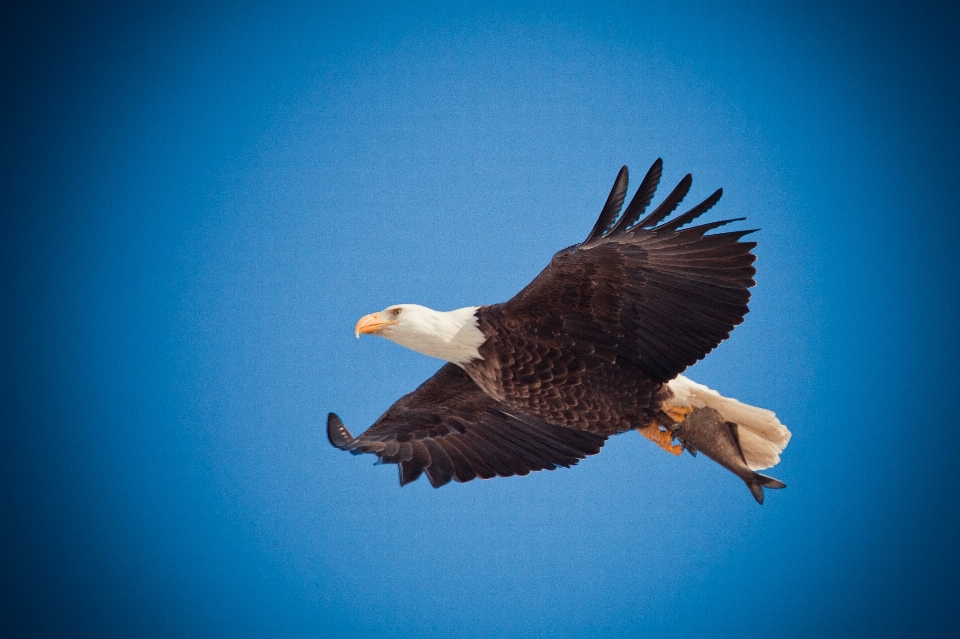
<point>451,429</point>
<point>651,292</point>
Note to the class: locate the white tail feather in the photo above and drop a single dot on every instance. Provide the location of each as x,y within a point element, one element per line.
<point>762,436</point>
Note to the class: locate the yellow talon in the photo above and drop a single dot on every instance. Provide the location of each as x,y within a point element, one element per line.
<point>678,413</point>
<point>661,438</point>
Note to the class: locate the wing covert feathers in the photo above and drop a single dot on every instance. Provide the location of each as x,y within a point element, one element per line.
<point>451,430</point>
<point>658,294</point>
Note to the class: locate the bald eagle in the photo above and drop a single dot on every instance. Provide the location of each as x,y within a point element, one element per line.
<point>592,347</point>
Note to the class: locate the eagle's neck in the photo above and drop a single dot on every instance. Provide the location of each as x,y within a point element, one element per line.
<point>452,335</point>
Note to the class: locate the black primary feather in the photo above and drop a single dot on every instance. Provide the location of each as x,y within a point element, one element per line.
<point>641,199</point>
<point>611,208</point>
<point>669,204</point>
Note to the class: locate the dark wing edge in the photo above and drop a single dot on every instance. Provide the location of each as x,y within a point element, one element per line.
<point>451,430</point>
<point>659,293</point>
<point>628,224</point>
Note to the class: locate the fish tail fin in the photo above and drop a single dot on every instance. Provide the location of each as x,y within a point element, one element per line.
<point>758,482</point>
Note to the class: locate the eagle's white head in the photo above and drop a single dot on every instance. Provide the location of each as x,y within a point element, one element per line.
<point>452,336</point>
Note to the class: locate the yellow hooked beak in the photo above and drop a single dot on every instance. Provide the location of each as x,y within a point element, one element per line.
<point>372,324</point>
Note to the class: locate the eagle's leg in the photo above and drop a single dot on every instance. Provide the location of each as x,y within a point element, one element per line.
<point>662,438</point>
<point>677,413</point>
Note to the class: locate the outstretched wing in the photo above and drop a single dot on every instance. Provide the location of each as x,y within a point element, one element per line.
<point>651,292</point>
<point>451,429</point>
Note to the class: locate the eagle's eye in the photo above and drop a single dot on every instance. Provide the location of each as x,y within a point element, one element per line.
<point>396,311</point>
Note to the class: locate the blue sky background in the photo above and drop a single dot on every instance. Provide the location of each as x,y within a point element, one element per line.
<point>199,201</point>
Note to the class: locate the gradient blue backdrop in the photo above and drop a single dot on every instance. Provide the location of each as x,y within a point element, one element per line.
<point>199,202</point>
